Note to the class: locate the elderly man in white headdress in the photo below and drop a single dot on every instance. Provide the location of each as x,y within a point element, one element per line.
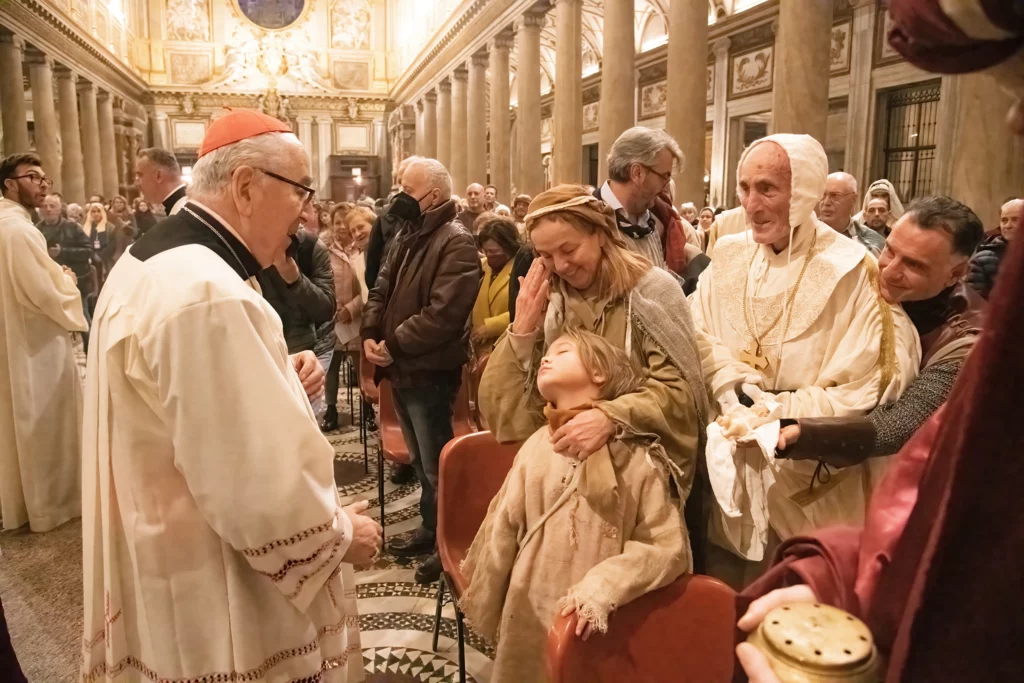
<point>216,546</point>
<point>792,309</point>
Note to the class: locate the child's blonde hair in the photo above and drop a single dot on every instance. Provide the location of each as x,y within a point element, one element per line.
<point>600,357</point>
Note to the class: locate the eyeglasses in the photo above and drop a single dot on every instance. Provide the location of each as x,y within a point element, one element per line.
<point>665,177</point>
<point>835,197</point>
<point>36,179</point>
<point>308,190</point>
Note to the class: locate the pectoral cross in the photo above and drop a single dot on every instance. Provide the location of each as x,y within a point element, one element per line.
<point>754,357</point>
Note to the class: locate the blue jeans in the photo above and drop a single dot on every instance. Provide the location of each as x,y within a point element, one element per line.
<point>425,415</point>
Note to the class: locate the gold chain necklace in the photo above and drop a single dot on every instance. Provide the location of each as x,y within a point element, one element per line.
<point>753,356</point>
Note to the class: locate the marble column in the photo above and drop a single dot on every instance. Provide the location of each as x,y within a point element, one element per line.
<point>306,138</point>
<point>568,114</point>
<point>430,125</point>
<point>12,94</point>
<point>324,125</point>
<point>476,121</point>
<point>501,168</point>
<point>420,146</point>
<point>108,146</point>
<point>687,73</point>
<point>988,160</point>
<point>617,110</point>
<point>861,100</point>
<point>720,124</point>
<point>458,138</point>
<point>40,75</point>
<point>72,172</point>
<point>444,123</point>
<point>90,139</point>
<point>803,41</point>
<point>531,171</point>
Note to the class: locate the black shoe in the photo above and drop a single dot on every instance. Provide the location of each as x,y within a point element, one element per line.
<point>420,543</point>
<point>430,571</point>
<point>402,474</point>
<point>330,421</point>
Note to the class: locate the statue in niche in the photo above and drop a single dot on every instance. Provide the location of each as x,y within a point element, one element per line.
<point>273,104</point>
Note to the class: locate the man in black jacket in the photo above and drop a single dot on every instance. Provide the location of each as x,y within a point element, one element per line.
<point>300,287</point>
<point>415,330</point>
<point>67,243</point>
<point>384,230</point>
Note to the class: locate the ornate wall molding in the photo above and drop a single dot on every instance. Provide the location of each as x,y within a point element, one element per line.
<point>55,34</point>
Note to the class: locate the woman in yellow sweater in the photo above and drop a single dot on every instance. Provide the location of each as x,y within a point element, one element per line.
<point>499,241</point>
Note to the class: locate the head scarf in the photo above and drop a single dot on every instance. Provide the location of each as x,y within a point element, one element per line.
<point>895,205</point>
<point>574,199</point>
<point>809,167</point>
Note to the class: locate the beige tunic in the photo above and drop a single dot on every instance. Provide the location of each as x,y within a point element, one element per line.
<point>213,530</point>
<point>543,545</point>
<point>40,389</point>
<point>839,350</point>
<point>663,407</point>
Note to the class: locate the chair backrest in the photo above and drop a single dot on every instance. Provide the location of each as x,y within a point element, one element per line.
<point>683,633</point>
<point>471,472</point>
<point>462,415</point>
<point>367,388</point>
<point>389,431</point>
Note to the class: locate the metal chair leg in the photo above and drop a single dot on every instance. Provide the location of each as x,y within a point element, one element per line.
<point>380,493</point>
<point>437,614</point>
<point>365,435</point>
<point>461,628</point>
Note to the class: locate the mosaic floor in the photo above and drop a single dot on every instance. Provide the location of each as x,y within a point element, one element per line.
<point>396,615</point>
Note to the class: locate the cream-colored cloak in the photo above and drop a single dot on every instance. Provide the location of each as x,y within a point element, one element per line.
<point>40,389</point>
<point>839,349</point>
<point>213,532</point>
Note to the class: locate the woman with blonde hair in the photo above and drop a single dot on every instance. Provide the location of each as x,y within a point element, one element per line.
<point>359,222</point>
<point>349,298</point>
<point>96,226</point>
<point>586,277</point>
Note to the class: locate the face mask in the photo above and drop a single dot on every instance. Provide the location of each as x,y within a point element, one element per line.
<point>496,263</point>
<point>406,207</point>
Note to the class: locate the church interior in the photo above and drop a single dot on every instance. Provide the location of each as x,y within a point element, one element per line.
<point>521,95</point>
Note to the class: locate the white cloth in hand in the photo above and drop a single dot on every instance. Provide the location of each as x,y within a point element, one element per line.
<point>741,467</point>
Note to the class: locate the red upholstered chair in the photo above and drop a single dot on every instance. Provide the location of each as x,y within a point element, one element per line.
<point>472,469</point>
<point>681,633</point>
<point>369,396</point>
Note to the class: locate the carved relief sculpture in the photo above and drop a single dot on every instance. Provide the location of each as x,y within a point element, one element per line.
<point>188,20</point>
<point>350,24</point>
<point>653,99</point>
<point>839,52</point>
<point>752,72</point>
<point>273,104</point>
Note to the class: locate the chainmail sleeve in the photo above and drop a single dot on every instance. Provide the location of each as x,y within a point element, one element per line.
<point>896,422</point>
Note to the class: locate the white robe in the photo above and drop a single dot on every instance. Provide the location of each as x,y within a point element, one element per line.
<point>832,364</point>
<point>41,395</point>
<point>213,531</point>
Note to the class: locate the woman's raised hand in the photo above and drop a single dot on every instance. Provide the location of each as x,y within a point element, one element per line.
<point>533,298</point>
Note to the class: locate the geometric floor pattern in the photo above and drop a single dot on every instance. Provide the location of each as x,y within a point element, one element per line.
<point>396,614</point>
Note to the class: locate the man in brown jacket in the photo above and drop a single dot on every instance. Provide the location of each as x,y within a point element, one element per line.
<point>415,330</point>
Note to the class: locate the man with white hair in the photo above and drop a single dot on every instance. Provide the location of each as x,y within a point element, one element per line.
<point>216,546</point>
<point>836,211</point>
<point>415,331</point>
<point>791,312</point>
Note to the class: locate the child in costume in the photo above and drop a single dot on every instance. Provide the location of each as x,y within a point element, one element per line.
<point>573,536</point>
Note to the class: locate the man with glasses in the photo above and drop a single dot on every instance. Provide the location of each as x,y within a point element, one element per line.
<point>40,389</point>
<point>836,211</point>
<point>212,507</point>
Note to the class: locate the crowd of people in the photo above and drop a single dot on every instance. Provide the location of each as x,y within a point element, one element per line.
<point>705,391</point>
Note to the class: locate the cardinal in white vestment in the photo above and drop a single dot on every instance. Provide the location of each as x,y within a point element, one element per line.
<point>40,389</point>
<point>216,548</point>
<point>792,308</point>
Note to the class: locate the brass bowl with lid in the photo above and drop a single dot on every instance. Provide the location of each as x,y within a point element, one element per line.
<point>814,643</point>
